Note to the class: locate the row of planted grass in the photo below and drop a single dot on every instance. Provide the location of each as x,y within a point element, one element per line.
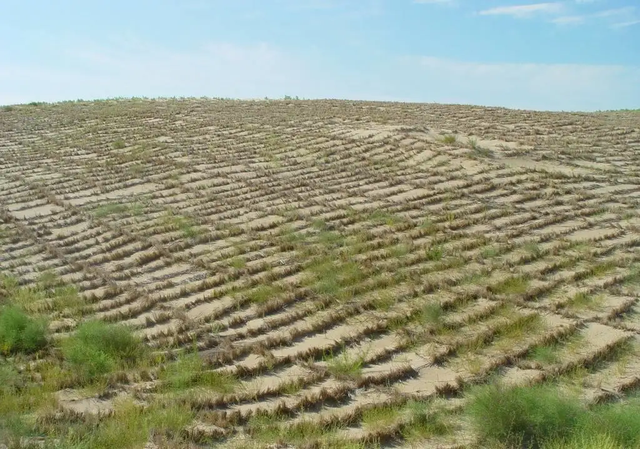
<point>34,366</point>
<point>94,349</point>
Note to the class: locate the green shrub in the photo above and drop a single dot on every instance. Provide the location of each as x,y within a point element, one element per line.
<point>524,416</point>
<point>98,348</point>
<point>21,333</point>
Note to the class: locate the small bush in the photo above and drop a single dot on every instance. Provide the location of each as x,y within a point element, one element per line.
<point>449,139</point>
<point>98,348</point>
<point>119,144</point>
<point>21,333</point>
<point>524,416</point>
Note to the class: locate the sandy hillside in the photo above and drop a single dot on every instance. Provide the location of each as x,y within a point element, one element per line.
<point>340,261</point>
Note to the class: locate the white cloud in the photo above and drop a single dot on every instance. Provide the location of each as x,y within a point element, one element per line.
<point>626,24</point>
<point>569,20</point>
<point>129,67</point>
<point>529,86</point>
<point>134,68</point>
<point>625,11</point>
<point>432,1</point>
<point>611,17</point>
<point>521,11</point>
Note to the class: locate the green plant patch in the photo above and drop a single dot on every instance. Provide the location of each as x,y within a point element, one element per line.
<point>523,416</point>
<point>188,371</point>
<point>20,332</point>
<point>345,366</point>
<point>515,285</point>
<point>98,348</point>
<point>449,139</point>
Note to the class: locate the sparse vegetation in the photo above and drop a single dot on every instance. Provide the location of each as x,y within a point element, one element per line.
<point>183,224</point>
<point>326,274</point>
<point>108,209</point>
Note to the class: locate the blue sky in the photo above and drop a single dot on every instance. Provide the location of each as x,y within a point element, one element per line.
<point>554,55</point>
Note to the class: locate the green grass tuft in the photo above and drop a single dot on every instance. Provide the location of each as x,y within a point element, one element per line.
<point>434,253</point>
<point>514,285</point>
<point>449,139</point>
<point>619,421</point>
<point>21,333</point>
<point>523,415</point>
<point>110,209</point>
<point>185,225</point>
<point>118,144</point>
<point>543,416</point>
<point>582,300</point>
<point>345,366</point>
<point>189,372</point>
<point>380,417</point>
<point>98,348</point>
<point>588,441</point>
<point>431,315</point>
<point>547,354</point>
<point>423,422</point>
<point>264,293</point>
<point>130,427</point>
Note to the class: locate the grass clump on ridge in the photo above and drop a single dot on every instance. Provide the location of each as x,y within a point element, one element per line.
<point>98,348</point>
<point>345,366</point>
<point>21,333</point>
<point>130,427</point>
<point>449,139</point>
<point>188,371</point>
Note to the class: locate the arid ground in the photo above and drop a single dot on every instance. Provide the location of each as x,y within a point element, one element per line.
<point>310,273</point>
